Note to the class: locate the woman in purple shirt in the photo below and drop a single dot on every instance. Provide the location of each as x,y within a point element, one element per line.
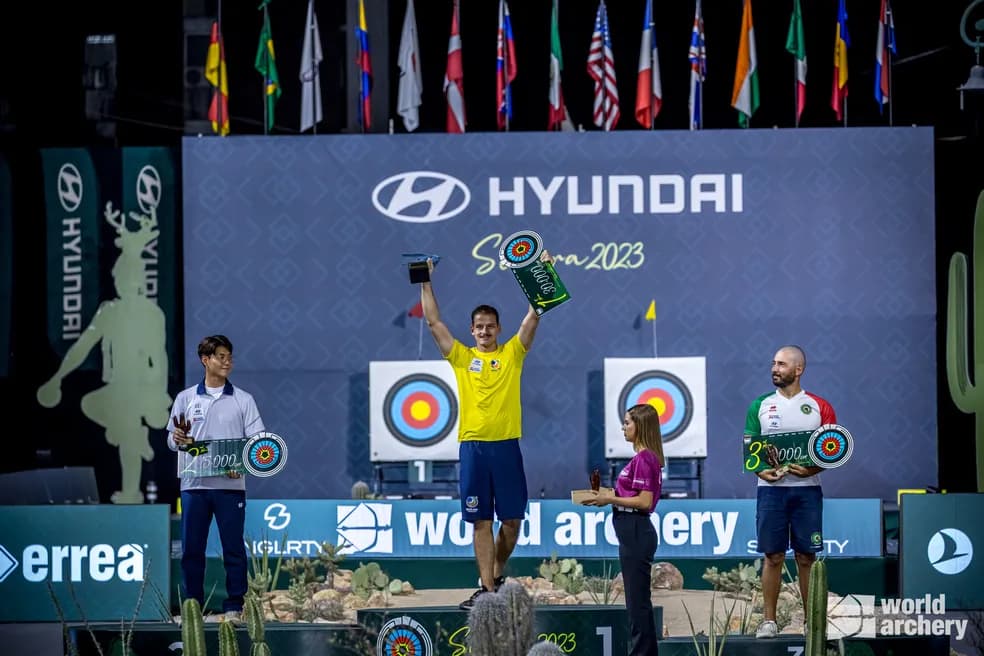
<point>636,493</point>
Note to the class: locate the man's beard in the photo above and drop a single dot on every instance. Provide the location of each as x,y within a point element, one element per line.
<point>782,382</point>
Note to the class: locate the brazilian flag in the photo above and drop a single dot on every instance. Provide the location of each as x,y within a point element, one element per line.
<point>266,64</point>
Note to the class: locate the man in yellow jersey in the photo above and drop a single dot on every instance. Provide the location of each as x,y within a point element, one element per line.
<point>493,482</point>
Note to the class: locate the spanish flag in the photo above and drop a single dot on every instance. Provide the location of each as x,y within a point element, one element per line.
<point>215,73</point>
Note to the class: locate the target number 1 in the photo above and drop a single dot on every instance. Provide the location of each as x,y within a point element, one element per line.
<point>420,471</point>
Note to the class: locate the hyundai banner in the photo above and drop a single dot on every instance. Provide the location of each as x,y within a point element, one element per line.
<point>688,528</point>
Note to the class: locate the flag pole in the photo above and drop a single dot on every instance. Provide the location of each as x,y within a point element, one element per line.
<point>654,338</point>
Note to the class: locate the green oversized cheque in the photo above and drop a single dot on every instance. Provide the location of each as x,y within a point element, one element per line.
<point>263,454</point>
<point>520,252</point>
<point>829,446</point>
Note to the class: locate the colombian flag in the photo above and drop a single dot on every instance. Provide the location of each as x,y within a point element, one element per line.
<point>841,43</point>
<point>365,67</point>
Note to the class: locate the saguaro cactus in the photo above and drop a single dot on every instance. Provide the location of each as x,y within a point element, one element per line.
<point>816,611</point>
<point>967,395</point>
<point>228,646</point>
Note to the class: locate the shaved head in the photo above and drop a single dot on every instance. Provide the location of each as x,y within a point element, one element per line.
<point>794,355</point>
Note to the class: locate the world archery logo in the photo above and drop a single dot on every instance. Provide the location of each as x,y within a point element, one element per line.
<point>403,636</point>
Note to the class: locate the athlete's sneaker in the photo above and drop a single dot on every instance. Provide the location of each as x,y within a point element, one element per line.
<point>470,601</point>
<point>499,580</point>
<point>767,629</point>
<point>234,616</point>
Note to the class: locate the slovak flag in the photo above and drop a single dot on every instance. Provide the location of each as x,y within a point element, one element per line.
<point>883,60</point>
<point>505,68</point>
<point>649,89</point>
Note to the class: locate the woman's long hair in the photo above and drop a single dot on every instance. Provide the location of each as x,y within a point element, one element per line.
<point>648,434</point>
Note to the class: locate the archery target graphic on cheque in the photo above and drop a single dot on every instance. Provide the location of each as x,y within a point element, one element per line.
<point>675,387</point>
<point>413,411</point>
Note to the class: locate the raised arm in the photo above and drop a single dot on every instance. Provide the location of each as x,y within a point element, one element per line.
<point>527,329</point>
<point>442,336</point>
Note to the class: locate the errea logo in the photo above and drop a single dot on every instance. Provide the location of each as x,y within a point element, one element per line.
<point>98,562</point>
<point>421,197</point>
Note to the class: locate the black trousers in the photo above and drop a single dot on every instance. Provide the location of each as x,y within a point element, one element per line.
<point>637,542</point>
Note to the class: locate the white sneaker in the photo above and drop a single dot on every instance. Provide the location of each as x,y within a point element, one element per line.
<point>233,616</point>
<point>767,629</point>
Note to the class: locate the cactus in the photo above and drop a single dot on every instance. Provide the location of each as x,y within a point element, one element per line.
<point>254,618</point>
<point>488,628</point>
<point>545,649</point>
<point>567,574</point>
<point>192,628</point>
<point>360,490</point>
<point>501,623</point>
<point>816,611</point>
<point>519,606</point>
<point>228,646</point>
<point>967,396</point>
<point>367,579</point>
<point>260,649</point>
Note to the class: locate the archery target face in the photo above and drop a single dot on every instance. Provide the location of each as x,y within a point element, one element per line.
<point>413,411</point>
<point>675,387</point>
<point>521,249</point>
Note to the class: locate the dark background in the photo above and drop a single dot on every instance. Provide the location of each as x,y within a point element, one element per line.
<point>42,104</point>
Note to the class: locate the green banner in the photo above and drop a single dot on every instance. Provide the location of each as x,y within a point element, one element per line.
<point>6,265</point>
<point>150,184</point>
<point>940,548</point>
<point>98,561</point>
<point>73,203</point>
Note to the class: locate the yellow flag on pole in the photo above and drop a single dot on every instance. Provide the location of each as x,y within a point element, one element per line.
<point>651,312</point>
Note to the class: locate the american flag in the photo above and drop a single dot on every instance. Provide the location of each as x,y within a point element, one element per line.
<point>698,69</point>
<point>601,68</point>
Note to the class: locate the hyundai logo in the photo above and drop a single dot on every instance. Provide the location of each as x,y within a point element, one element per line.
<point>421,196</point>
<point>148,189</point>
<point>69,187</point>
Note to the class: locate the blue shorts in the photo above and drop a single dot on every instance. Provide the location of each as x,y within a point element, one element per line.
<point>492,480</point>
<point>789,516</point>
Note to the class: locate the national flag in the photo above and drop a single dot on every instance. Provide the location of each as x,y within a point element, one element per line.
<point>215,73</point>
<point>883,60</point>
<point>266,64</point>
<point>796,44</point>
<point>454,78</point>
<point>698,70</point>
<point>311,56</point>
<point>411,83</point>
<point>649,88</point>
<point>505,67</point>
<point>558,112</point>
<point>651,311</point>
<point>841,43</point>
<point>601,68</point>
<point>745,93</point>
<point>365,69</point>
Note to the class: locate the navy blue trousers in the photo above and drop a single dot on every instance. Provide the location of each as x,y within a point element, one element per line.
<point>229,509</point>
<point>637,542</point>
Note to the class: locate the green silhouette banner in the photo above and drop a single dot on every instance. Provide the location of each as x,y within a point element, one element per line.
<point>112,215</point>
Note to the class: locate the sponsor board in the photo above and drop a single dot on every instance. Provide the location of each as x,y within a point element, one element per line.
<point>688,528</point>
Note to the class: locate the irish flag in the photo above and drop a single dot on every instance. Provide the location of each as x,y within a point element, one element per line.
<point>745,96</point>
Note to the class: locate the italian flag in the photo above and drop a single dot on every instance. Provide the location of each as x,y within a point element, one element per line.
<point>796,44</point>
<point>745,96</point>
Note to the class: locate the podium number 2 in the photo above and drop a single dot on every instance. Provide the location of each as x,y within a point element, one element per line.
<point>606,638</point>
